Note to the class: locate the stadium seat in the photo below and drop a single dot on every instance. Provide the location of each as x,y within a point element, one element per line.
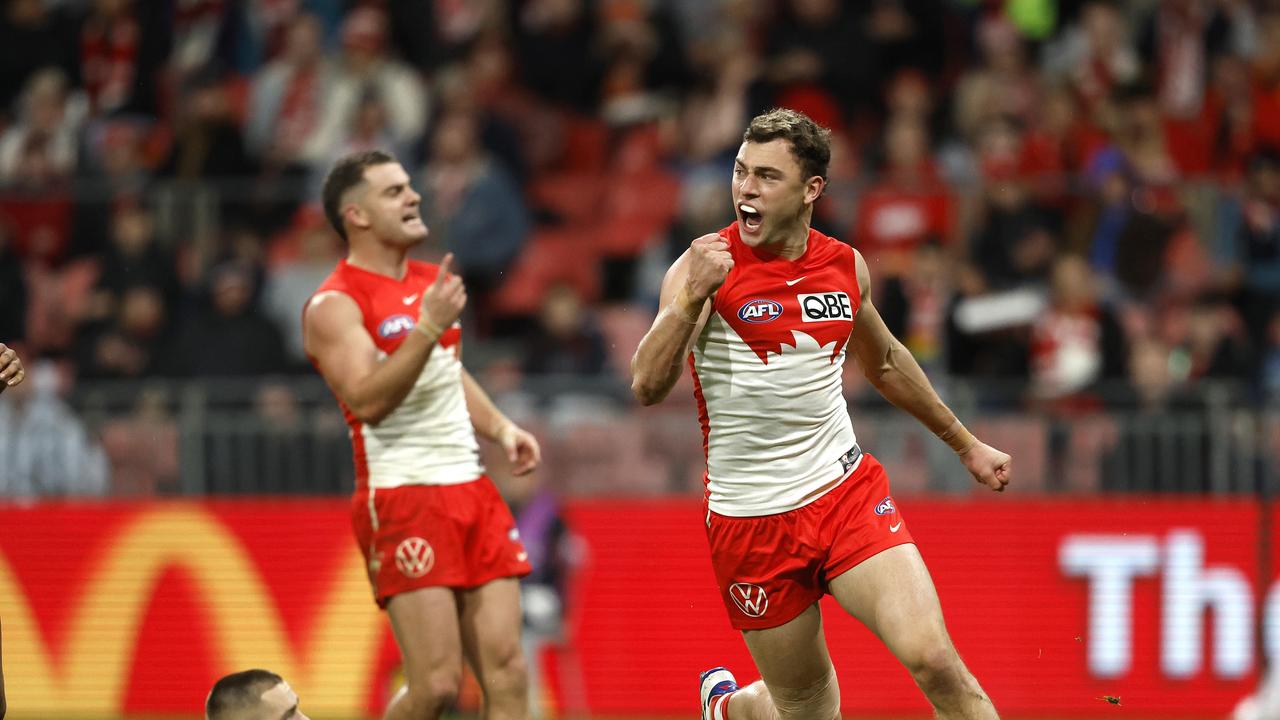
<point>572,197</point>
<point>551,256</point>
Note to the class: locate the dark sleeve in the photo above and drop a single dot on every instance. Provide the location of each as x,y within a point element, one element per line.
<point>893,306</point>
<point>1115,350</point>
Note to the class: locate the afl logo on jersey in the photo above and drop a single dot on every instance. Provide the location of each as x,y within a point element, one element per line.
<point>885,507</point>
<point>760,311</point>
<point>395,326</point>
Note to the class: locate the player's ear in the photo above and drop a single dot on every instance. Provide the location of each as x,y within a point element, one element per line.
<point>814,188</point>
<point>356,215</point>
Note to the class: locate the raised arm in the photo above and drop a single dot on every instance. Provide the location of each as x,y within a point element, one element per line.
<point>689,283</point>
<point>890,367</point>
<point>334,334</point>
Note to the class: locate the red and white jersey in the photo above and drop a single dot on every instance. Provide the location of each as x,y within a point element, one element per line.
<point>766,371</point>
<point>428,439</point>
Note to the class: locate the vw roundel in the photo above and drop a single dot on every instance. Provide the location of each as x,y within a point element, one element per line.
<point>760,311</point>
<point>885,507</point>
<point>395,326</point>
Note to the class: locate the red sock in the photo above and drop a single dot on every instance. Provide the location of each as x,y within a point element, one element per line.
<point>720,707</point>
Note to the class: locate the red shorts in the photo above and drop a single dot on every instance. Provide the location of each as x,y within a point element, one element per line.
<point>416,536</point>
<point>772,567</point>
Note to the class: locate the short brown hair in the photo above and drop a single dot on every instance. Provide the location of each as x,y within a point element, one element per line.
<point>347,173</point>
<point>810,142</point>
<point>238,691</point>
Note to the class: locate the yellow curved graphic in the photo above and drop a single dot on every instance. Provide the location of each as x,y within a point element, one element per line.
<point>331,670</point>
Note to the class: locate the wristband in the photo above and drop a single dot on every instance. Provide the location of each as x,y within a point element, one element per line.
<point>677,308</point>
<point>431,330</point>
<point>958,437</point>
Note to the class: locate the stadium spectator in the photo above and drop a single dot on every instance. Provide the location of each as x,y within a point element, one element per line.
<point>127,342</point>
<point>285,106</point>
<point>365,71</point>
<point>1252,238</point>
<point>1014,240</point>
<point>36,35</point>
<point>1003,85</point>
<point>133,258</point>
<point>293,280</point>
<point>252,695</point>
<point>908,205</point>
<point>45,449</point>
<point>1077,342</point>
<point>229,337</point>
<point>554,44</point>
<point>566,340</point>
<point>40,149</point>
<point>474,209</point>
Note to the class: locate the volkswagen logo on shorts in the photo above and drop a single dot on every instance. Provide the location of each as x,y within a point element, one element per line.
<point>415,557</point>
<point>885,507</point>
<point>395,326</point>
<point>750,599</point>
<point>760,311</point>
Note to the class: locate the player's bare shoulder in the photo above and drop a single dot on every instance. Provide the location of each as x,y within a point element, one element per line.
<point>862,274</point>
<point>330,318</point>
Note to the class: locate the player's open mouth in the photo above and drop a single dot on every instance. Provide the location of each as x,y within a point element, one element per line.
<point>751,218</point>
<point>411,218</point>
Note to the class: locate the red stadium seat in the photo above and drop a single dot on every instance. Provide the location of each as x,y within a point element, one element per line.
<point>586,144</point>
<point>574,197</point>
<point>551,257</point>
<point>639,210</point>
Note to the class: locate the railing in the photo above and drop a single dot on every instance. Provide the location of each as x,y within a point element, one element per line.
<point>286,436</point>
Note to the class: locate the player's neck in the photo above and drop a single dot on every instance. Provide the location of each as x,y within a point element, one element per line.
<point>379,258</point>
<point>789,243</point>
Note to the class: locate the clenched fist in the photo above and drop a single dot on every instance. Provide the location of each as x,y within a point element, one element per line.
<point>988,466</point>
<point>709,265</point>
<point>11,371</point>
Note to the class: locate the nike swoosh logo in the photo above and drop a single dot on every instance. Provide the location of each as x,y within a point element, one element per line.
<point>409,300</point>
<point>895,528</point>
<point>793,282</point>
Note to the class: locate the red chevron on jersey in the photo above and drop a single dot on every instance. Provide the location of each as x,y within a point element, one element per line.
<point>767,299</point>
<point>428,438</point>
<point>767,376</point>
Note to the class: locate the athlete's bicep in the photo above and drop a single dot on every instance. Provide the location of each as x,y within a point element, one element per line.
<point>334,334</point>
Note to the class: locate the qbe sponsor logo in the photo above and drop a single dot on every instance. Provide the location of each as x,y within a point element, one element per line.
<point>825,306</point>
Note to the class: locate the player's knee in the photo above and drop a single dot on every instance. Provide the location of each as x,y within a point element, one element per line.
<point>509,673</point>
<point>819,701</point>
<point>433,694</point>
<point>937,665</point>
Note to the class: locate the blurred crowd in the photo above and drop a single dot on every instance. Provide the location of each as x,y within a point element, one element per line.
<point>1077,200</point>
